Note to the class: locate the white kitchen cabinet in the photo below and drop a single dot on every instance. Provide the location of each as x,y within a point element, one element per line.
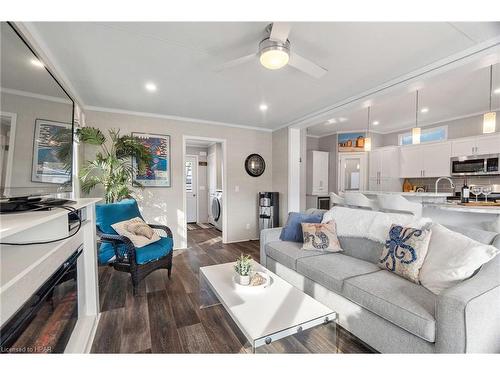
<point>489,144</point>
<point>463,147</point>
<point>436,159</point>
<point>317,172</point>
<point>383,168</point>
<point>427,160</point>
<point>411,165</point>
<point>481,145</point>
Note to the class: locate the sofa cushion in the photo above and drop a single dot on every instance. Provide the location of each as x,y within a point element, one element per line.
<point>361,248</point>
<point>478,235</point>
<point>287,252</point>
<point>403,303</point>
<point>143,254</point>
<point>292,231</point>
<point>331,270</point>
<point>111,213</point>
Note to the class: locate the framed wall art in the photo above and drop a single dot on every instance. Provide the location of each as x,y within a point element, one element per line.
<point>158,172</point>
<point>52,144</point>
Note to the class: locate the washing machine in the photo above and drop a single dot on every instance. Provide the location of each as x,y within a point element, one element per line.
<point>216,209</point>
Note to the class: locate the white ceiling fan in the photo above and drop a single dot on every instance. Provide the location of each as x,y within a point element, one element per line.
<point>274,53</point>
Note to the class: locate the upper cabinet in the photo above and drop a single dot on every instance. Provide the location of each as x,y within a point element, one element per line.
<point>384,169</point>
<point>317,172</point>
<point>481,145</point>
<point>427,160</point>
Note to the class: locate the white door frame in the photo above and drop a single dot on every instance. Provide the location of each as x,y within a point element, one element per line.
<point>225,204</point>
<point>364,165</point>
<point>196,187</point>
<point>12,142</point>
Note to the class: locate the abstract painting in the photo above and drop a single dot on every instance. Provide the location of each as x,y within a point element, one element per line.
<point>158,172</point>
<point>52,147</point>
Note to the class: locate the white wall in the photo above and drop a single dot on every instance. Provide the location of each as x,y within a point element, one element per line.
<point>28,110</point>
<point>280,170</point>
<point>165,205</point>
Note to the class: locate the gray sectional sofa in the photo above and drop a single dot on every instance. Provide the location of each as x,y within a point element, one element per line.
<point>390,313</point>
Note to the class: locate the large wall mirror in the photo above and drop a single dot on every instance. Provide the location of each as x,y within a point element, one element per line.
<point>36,113</point>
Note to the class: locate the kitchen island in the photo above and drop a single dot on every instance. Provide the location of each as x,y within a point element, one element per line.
<point>437,207</point>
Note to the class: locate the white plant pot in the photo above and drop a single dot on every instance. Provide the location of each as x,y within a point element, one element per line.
<point>243,280</point>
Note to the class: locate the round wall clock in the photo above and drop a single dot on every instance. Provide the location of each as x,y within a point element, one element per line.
<point>255,165</point>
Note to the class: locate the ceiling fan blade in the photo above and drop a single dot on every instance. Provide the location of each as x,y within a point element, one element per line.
<point>280,31</point>
<point>306,66</point>
<point>232,63</point>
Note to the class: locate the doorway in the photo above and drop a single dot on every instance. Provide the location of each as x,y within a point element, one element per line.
<point>204,186</point>
<point>352,174</point>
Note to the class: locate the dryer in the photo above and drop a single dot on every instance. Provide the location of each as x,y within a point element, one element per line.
<point>216,209</point>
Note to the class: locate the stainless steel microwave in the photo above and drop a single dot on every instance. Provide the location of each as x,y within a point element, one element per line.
<point>475,165</point>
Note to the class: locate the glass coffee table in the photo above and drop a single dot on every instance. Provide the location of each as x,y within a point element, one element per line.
<point>267,315</point>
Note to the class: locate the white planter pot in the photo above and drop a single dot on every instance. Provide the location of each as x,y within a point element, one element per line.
<point>243,280</point>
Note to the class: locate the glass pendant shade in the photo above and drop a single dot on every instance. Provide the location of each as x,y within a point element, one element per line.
<point>415,136</point>
<point>368,144</point>
<point>489,122</point>
<point>274,59</point>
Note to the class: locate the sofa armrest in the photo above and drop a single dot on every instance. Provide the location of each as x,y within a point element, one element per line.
<point>266,236</point>
<point>467,314</point>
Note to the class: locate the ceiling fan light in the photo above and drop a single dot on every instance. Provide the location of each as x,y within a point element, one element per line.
<point>415,136</point>
<point>489,122</point>
<point>274,58</point>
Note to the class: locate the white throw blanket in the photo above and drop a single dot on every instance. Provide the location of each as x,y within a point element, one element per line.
<point>372,225</point>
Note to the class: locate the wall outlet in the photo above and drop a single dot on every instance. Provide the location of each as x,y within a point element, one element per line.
<point>248,226</point>
<point>237,188</point>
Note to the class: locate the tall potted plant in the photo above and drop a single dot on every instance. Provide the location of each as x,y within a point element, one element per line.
<point>112,167</point>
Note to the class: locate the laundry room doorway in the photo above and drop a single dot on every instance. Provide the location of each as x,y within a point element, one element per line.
<point>204,189</point>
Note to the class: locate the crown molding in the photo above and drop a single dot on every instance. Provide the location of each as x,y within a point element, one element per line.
<point>36,96</point>
<point>174,118</point>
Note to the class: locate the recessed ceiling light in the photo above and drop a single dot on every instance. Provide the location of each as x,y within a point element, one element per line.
<point>342,119</point>
<point>375,123</point>
<point>497,91</point>
<point>151,87</point>
<point>424,110</point>
<point>263,107</point>
<point>37,63</point>
<point>332,121</point>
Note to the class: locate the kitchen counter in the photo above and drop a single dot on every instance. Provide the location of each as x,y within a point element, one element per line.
<point>408,194</point>
<point>493,210</point>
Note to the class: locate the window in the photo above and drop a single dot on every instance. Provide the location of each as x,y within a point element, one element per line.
<point>428,135</point>
<point>189,176</point>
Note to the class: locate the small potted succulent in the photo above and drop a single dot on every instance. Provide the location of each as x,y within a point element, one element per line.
<point>243,268</point>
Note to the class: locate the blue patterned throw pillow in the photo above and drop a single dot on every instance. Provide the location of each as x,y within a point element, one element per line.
<point>404,251</point>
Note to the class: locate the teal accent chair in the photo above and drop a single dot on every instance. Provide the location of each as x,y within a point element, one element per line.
<point>120,253</point>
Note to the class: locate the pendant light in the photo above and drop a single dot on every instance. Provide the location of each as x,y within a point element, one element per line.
<point>489,119</point>
<point>416,131</point>
<point>368,140</point>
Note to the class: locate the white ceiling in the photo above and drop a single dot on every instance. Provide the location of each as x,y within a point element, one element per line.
<point>455,94</point>
<point>17,71</point>
<point>109,63</point>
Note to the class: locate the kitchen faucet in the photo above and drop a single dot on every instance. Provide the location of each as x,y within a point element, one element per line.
<point>452,185</point>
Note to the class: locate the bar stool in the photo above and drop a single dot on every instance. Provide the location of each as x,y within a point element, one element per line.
<point>359,200</point>
<point>399,204</point>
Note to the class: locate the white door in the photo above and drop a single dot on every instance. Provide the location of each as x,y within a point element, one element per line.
<point>488,145</point>
<point>191,176</point>
<point>436,159</point>
<point>374,161</point>
<point>411,162</point>
<point>320,172</point>
<point>352,172</point>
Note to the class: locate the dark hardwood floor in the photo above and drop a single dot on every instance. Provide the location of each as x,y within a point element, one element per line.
<point>164,316</point>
